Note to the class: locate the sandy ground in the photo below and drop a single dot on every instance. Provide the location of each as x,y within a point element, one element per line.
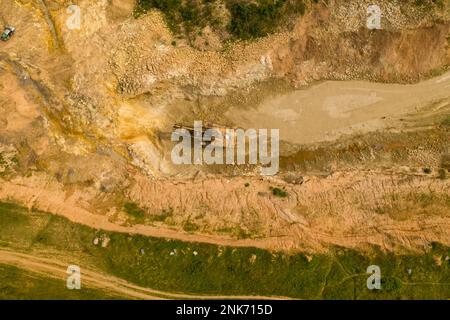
<point>57,201</point>
<point>339,210</point>
<point>332,108</point>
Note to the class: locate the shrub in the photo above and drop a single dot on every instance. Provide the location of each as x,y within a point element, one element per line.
<point>446,121</point>
<point>250,20</point>
<point>442,174</point>
<point>133,210</point>
<point>427,170</point>
<point>279,192</point>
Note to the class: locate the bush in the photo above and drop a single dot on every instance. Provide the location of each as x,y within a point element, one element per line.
<point>427,170</point>
<point>279,192</point>
<point>442,174</point>
<point>446,122</point>
<point>248,19</point>
<point>134,210</point>
<point>181,16</point>
<point>190,226</point>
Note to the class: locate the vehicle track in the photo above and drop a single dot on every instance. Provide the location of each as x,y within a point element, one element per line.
<point>50,23</point>
<point>56,269</point>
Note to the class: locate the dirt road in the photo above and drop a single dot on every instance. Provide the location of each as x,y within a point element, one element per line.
<point>57,269</point>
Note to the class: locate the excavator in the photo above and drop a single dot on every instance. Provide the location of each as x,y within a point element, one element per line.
<point>206,129</point>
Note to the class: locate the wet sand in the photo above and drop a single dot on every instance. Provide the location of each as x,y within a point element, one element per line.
<point>327,110</point>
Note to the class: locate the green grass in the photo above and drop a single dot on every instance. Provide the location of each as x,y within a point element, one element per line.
<point>430,4</point>
<point>136,213</point>
<point>277,192</point>
<point>442,174</point>
<point>6,165</point>
<point>165,214</point>
<point>254,19</point>
<point>248,19</point>
<point>190,226</point>
<point>224,270</point>
<point>446,121</point>
<point>181,16</point>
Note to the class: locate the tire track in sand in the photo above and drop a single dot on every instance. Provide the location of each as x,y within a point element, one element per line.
<point>56,269</point>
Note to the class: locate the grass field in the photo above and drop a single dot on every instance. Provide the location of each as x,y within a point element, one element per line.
<point>176,266</point>
<point>18,284</point>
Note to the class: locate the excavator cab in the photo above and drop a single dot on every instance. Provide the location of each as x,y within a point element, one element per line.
<point>8,33</point>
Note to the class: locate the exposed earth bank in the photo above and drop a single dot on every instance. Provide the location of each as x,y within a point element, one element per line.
<point>84,113</point>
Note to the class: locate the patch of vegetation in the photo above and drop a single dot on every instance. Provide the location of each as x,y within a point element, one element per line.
<point>237,232</point>
<point>18,284</point>
<point>7,164</point>
<point>165,214</point>
<point>427,170</point>
<point>262,17</point>
<point>134,211</point>
<point>177,266</point>
<point>277,192</point>
<point>181,16</point>
<point>2,166</point>
<point>442,174</point>
<point>248,19</point>
<point>446,121</point>
<point>429,4</point>
<point>241,233</point>
<point>189,226</point>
